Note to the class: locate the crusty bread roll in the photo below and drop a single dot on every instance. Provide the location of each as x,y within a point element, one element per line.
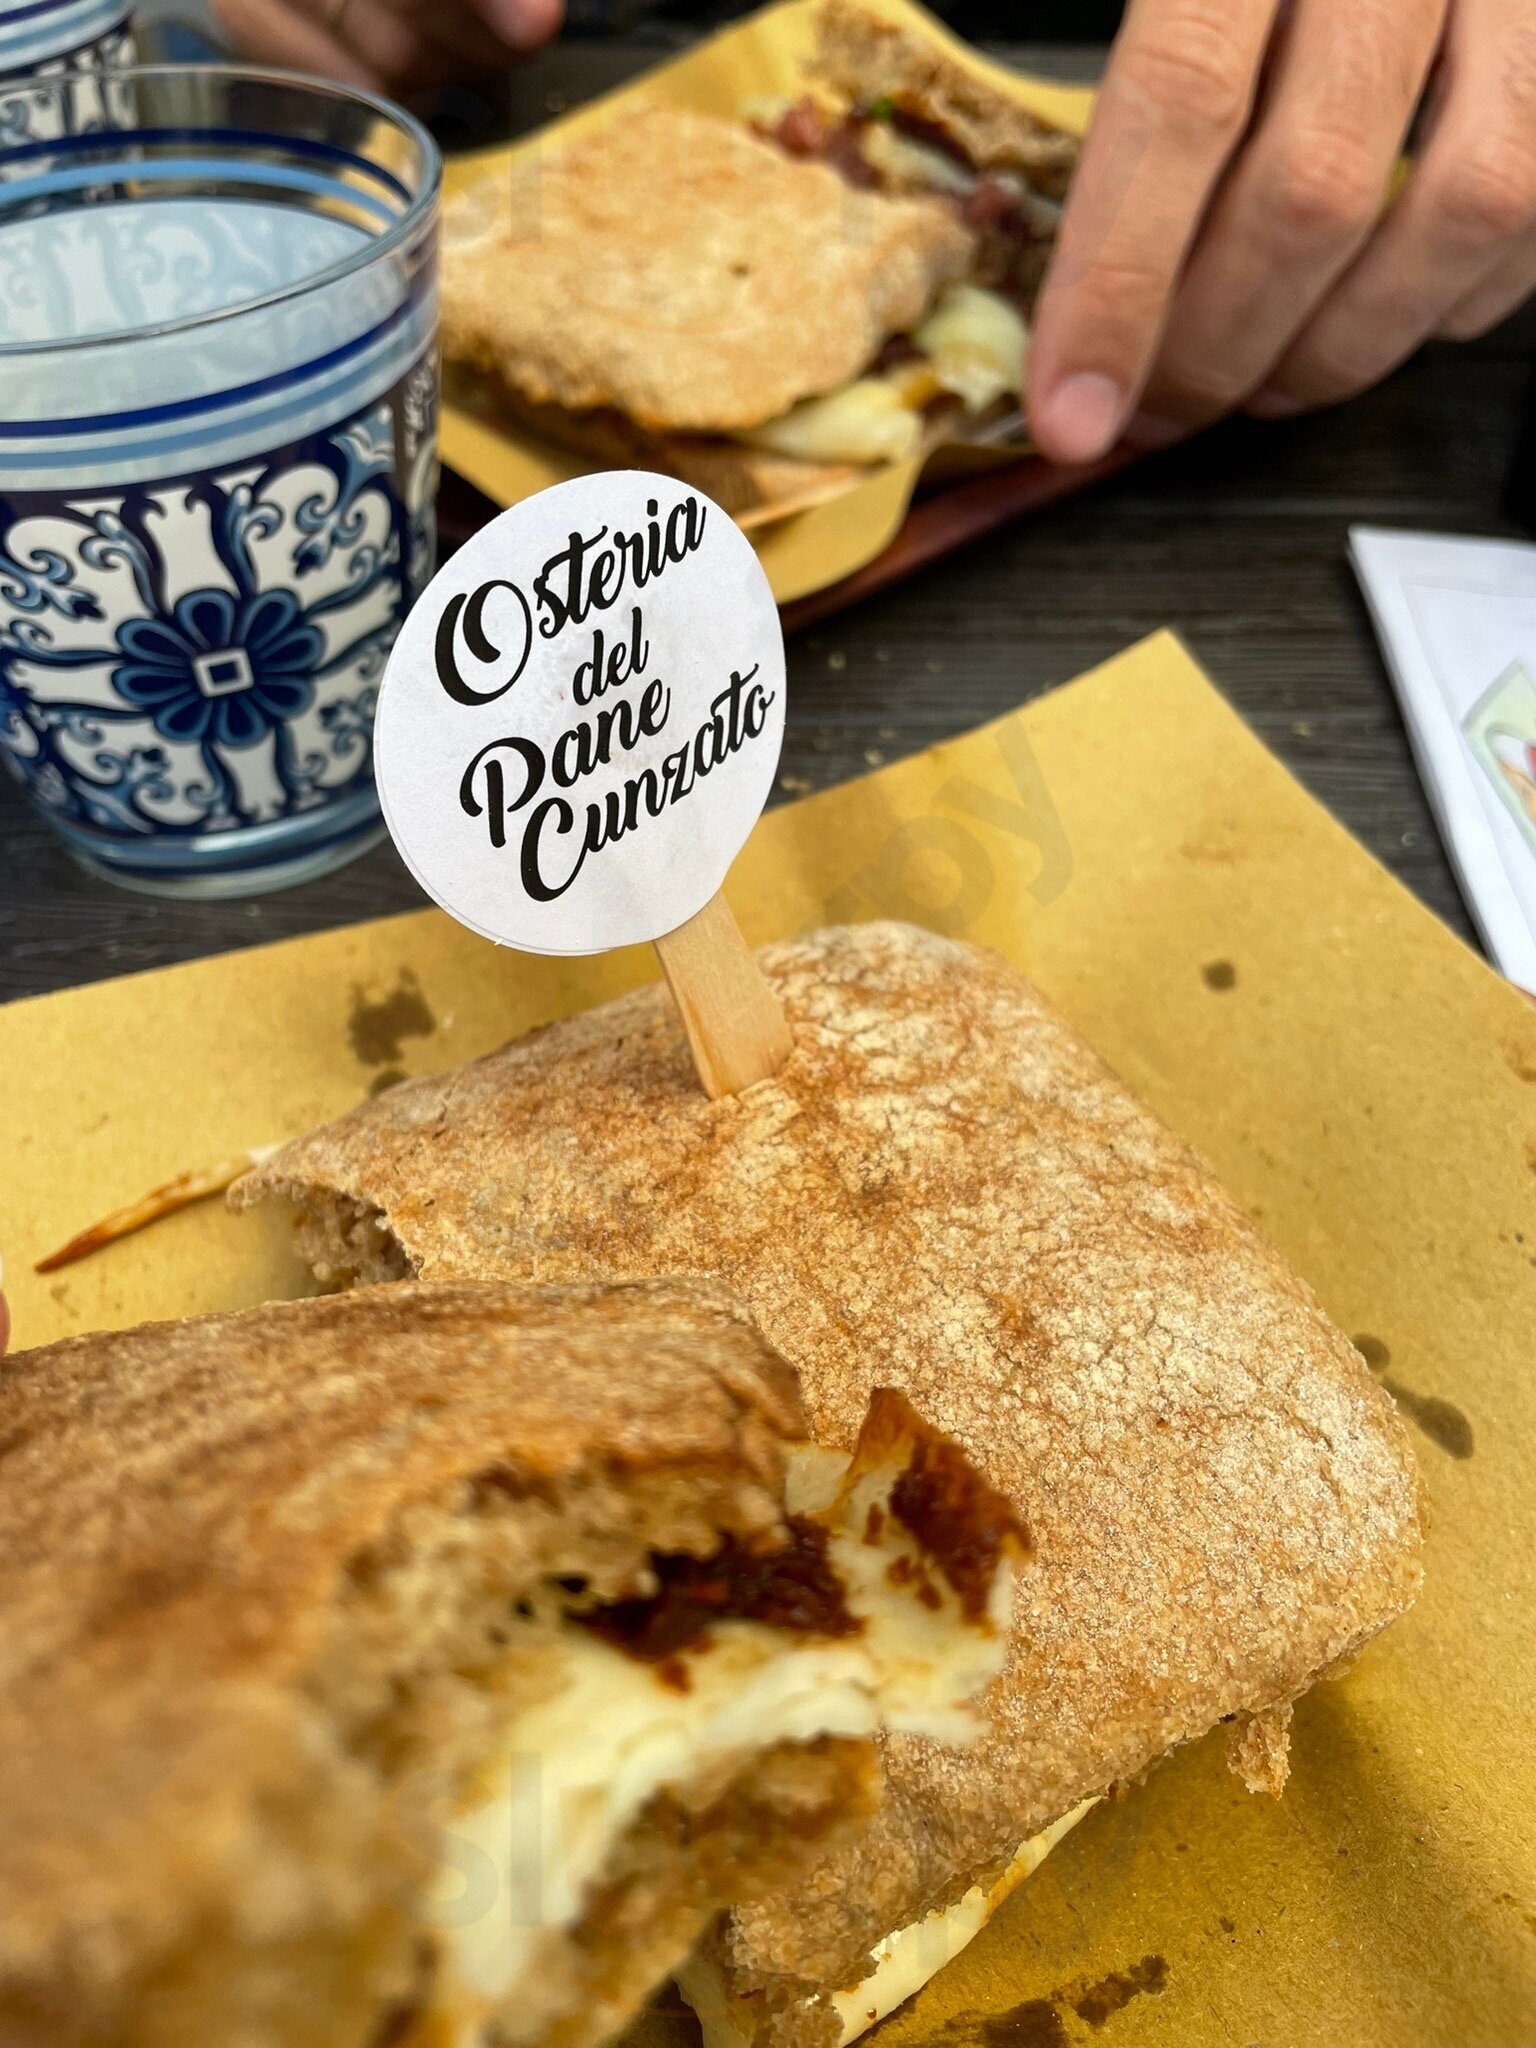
<point>946,1191</point>
<point>427,1665</point>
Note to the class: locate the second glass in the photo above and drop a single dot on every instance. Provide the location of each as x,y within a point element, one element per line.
<point>218,396</point>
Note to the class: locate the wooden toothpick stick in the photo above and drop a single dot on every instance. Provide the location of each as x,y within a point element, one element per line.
<point>736,1030</point>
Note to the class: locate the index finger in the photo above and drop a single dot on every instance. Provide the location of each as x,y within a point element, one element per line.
<point>1176,99</point>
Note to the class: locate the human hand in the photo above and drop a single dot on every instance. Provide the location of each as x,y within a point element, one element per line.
<point>1224,243</point>
<point>397,46</point>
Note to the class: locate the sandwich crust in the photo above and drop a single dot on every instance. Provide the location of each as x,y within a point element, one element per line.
<point>946,1191</point>
<point>675,266</point>
<point>186,1510</point>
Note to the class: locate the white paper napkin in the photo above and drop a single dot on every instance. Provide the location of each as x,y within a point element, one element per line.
<point>1457,623</point>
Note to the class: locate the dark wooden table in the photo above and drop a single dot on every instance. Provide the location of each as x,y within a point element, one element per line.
<point>1237,541</point>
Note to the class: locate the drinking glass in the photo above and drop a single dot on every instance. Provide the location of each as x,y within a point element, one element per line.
<point>73,44</point>
<point>218,397</point>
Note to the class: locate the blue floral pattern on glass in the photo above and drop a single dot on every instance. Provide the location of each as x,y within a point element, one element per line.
<point>220,670</point>
<point>202,654</point>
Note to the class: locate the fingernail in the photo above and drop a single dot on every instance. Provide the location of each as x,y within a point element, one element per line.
<point>1078,421</point>
<point>1274,404</point>
<point>1150,430</point>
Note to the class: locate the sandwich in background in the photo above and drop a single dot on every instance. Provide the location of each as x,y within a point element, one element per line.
<point>943,1190</point>
<point>424,1667</point>
<point>770,306</point>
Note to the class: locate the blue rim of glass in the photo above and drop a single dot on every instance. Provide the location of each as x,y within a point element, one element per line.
<point>102,140</point>
<point>220,401</point>
<point>32,12</point>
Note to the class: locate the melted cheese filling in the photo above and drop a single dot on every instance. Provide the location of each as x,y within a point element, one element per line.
<point>577,1771</point>
<point>905,161</point>
<point>974,345</point>
<point>978,345</point>
<point>900,1965</point>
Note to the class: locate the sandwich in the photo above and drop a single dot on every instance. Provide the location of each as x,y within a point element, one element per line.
<point>772,305</point>
<point>944,1191</point>
<point>425,1667</point>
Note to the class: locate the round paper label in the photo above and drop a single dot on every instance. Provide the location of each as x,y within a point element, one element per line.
<point>581,719</point>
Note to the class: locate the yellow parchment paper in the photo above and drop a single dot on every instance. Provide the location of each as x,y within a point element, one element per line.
<point>762,56</point>
<point>1361,1081</point>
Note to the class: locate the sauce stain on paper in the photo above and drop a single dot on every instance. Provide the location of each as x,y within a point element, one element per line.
<point>1219,976</point>
<point>1038,2022</point>
<point>1034,2024</point>
<point>1441,1421</point>
<point>378,1027</point>
<point>1100,2002</point>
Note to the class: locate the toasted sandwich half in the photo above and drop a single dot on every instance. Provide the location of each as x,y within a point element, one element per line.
<point>767,306</point>
<point>945,1191</point>
<point>423,1667</point>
